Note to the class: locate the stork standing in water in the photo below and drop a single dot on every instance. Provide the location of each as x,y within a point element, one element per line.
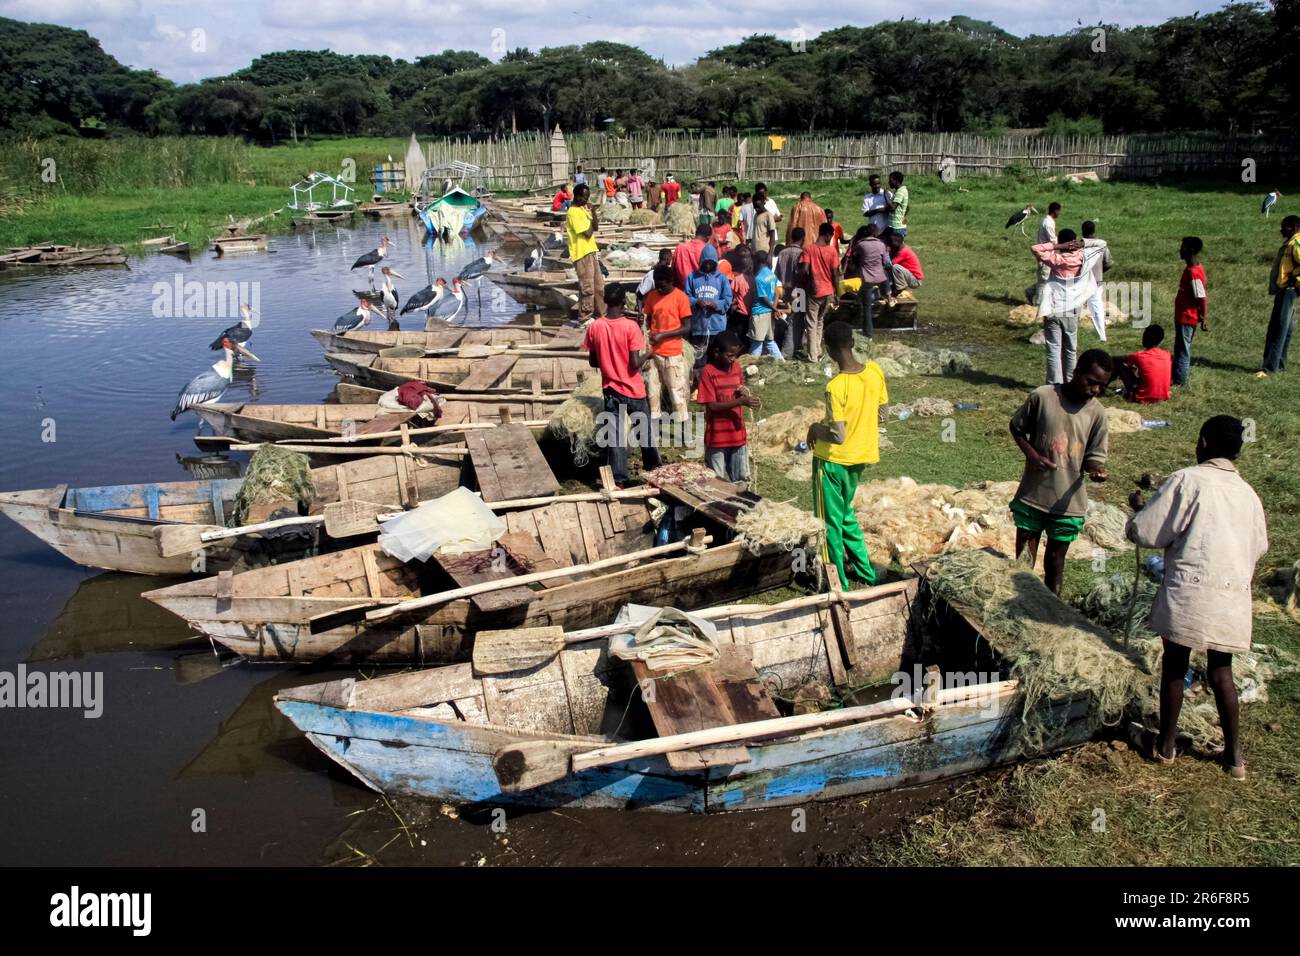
<point>373,258</point>
<point>1269,202</point>
<point>1019,218</point>
<point>475,271</point>
<point>210,385</point>
<point>351,321</point>
<point>240,333</point>
<point>449,307</point>
<point>427,298</point>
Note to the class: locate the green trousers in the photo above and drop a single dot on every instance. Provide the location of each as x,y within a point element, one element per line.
<point>833,489</point>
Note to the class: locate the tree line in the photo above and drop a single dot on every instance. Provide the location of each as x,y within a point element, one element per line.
<point>1230,70</point>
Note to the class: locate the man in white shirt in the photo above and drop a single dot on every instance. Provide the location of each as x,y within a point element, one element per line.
<point>1096,256</point>
<point>1046,233</point>
<point>875,205</point>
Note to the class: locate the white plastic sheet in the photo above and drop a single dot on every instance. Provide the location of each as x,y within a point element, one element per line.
<point>665,638</point>
<point>456,523</point>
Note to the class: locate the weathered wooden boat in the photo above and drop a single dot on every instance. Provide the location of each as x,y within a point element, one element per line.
<point>56,254</point>
<point>508,373</point>
<point>236,244</point>
<point>506,336</point>
<point>181,249</point>
<point>324,215</point>
<point>386,207</point>
<point>113,526</point>
<point>546,290</point>
<point>344,607</point>
<point>705,740</point>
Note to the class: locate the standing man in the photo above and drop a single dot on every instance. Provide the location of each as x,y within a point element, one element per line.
<point>686,257</point>
<point>668,313</point>
<point>598,198</point>
<point>653,195</point>
<point>672,191</point>
<point>843,445</point>
<point>615,346</point>
<point>1058,307</point>
<point>899,203</point>
<point>795,295</point>
<point>1062,431</point>
<point>1284,286</point>
<point>763,237</point>
<point>1189,306</point>
<point>837,239</point>
<point>767,293</point>
<point>579,177</point>
<point>823,269</point>
<point>872,258</point>
<point>875,205</point>
<point>709,292</point>
<point>635,185</point>
<point>808,216</point>
<point>1211,525</point>
<point>708,199</point>
<point>1046,233</point>
<point>1098,260</point>
<point>580,229</point>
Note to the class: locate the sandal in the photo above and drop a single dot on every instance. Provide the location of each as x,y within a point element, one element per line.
<point>1144,742</point>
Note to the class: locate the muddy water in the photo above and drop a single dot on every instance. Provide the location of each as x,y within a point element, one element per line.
<point>86,360</point>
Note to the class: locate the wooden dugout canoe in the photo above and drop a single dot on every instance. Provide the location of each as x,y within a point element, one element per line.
<point>509,336</point>
<point>441,733</point>
<point>112,526</point>
<point>509,374</point>
<point>252,422</point>
<point>267,615</point>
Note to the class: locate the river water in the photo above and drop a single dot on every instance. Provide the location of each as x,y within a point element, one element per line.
<point>189,763</point>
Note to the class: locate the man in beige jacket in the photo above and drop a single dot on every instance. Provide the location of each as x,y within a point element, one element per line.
<point>1211,526</point>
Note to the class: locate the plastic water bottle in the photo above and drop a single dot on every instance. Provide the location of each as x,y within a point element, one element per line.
<point>1189,678</point>
<point>966,406</point>
<point>801,448</point>
<point>905,414</point>
<point>1156,567</point>
<point>1148,423</point>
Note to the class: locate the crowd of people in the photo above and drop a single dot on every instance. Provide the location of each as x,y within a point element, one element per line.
<point>734,288</point>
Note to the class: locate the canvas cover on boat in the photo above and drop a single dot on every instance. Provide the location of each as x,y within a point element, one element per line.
<point>456,523</point>
<point>665,638</point>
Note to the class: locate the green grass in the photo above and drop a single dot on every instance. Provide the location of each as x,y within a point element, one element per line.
<point>107,190</point>
<point>1042,812</point>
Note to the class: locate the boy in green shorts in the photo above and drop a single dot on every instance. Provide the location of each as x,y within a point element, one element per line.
<point>1062,431</point>
<point>843,446</point>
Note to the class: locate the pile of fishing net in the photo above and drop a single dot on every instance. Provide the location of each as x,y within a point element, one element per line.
<point>630,257</point>
<point>1121,421</point>
<point>615,212</point>
<point>778,523</point>
<point>1051,648</point>
<point>922,407</point>
<point>778,435</point>
<point>576,422</point>
<point>680,220</point>
<point>766,370</point>
<point>273,475</point>
<point>644,217</point>
<point>909,522</point>
<point>896,359</point>
<point>1028,315</point>
<point>1108,603</point>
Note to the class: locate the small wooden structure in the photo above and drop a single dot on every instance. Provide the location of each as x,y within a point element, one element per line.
<point>311,204</point>
<point>235,241</point>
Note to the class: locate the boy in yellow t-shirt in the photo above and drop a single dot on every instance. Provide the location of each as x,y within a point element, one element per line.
<point>842,447</point>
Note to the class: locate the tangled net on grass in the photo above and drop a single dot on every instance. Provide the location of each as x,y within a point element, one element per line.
<point>923,407</point>
<point>1121,421</point>
<point>1051,648</point>
<point>680,220</point>
<point>575,421</point>
<point>274,474</point>
<point>777,435</point>
<point>896,359</point>
<point>771,523</point>
<point>1107,604</point>
<point>768,371</point>
<point>644,217</point>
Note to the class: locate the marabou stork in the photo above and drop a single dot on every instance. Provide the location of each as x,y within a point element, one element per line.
<point>1270,201</point>
<point>475,271</point>
<point>373,258</point>
<point>210,385</point>
<point>426,298</point>
<point>1019,219</point>
<point>241,332</point>
<point>450,305</point>
<point>351,321</point>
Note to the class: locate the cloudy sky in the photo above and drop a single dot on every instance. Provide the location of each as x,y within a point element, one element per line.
<point>161,34</point>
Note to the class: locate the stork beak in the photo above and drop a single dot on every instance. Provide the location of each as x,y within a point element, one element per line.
<point>394,272</point>
<point>243,351</point>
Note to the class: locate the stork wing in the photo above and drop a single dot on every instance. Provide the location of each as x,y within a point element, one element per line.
<point>216,344</point>
<point>206,387</point>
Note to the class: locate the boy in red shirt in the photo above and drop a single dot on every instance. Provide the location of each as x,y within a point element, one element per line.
<point>672,191</point>
<point>1146,374</point>
<point>723,394</point>
<point>615,346</point>
<point>1189,307</point>
<point>822,263</point>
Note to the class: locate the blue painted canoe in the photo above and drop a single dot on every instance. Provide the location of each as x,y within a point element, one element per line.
<point>436,734</point>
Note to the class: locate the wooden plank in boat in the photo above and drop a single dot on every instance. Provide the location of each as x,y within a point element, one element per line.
<point>529,557</point>
<point>509,464</point>
<point>532,700</point>
<point>719,500</point>
<point>476,567</point>
<point>487,373</point>
<point>383,423</point>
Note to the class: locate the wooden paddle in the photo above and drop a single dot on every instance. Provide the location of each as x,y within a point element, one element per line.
<point>380,610</point>
<point>341,519</point>
<point>534,763</point>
